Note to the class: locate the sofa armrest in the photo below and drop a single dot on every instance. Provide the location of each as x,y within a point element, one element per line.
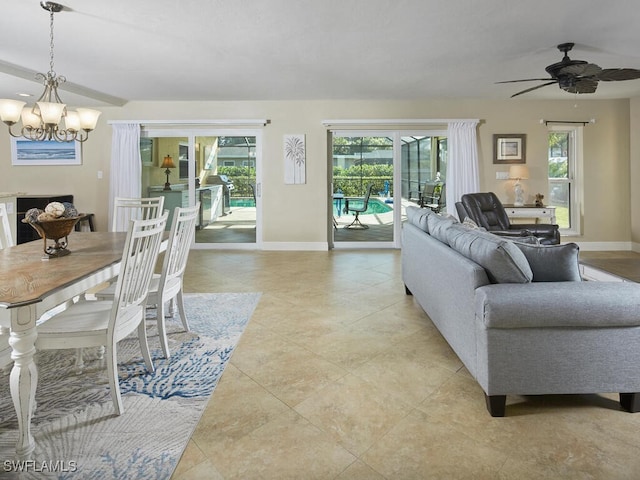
<point>559,304</point>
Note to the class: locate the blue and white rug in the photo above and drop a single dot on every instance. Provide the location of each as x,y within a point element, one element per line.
<point>76,432</point>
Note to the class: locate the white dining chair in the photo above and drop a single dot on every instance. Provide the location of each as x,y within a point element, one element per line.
<point>167,286</point>
<point>6,241</point>
<point>126,209</point>
<point>91,323</point>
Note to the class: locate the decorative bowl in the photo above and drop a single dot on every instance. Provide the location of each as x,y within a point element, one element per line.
<point>57,230</point>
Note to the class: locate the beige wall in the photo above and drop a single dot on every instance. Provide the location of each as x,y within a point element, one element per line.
<point>607,172</point>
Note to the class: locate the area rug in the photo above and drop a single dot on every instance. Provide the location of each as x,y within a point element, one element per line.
<point>76,432</point>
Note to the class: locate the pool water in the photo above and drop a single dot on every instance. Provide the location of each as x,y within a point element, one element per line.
<point>242,202</point>
<point>374,206</point>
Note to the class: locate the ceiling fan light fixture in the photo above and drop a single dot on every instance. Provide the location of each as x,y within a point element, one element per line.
<point>43,121</point>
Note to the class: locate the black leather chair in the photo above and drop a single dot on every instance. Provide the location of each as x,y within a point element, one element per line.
<point>487,211</point>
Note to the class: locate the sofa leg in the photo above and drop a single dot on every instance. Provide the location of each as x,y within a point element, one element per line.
<point>496,404</point>
<point>630,402</point>
<point>407,291</point>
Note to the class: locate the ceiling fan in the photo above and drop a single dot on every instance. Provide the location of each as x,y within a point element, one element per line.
<point>577,76</point>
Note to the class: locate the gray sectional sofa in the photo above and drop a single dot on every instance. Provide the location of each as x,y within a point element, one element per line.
<point>518,316</point>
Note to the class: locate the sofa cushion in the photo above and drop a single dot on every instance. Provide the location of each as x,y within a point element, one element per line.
<point>502,260</point>
<point>553,263</point>
<point>438,225</point>
<point>418,217</point>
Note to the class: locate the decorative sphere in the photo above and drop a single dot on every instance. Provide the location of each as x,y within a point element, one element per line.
<point>46,216</point>
<point>56,209</point>
<point>32,215</point>
<point>70,210</point>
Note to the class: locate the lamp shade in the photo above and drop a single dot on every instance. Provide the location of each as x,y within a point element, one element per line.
<point>10,110</point>
<point>51,112</point>
<point>88,118</point>
<point>518,172</point>
<point>167,162</point>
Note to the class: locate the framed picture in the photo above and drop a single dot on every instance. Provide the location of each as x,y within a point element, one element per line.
<point>509,148</point>
<point>47,152</point>
<point>146,151</point>
<point>294,159</point>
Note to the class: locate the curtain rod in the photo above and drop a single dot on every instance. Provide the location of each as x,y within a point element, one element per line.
<point>254,121</point>
<point>547,122</point>
<point>396,121</point>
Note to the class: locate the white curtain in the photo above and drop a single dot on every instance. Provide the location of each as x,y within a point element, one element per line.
<point>126,165</point>
<point>462,165</point>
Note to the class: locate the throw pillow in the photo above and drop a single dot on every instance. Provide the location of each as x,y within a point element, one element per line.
<point>469,223</point>
<point>418,217</point>
<point>501,259</point>
<point>438,226</point>
<point>553,263</point>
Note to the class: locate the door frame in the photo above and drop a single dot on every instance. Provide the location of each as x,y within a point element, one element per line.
<point>396,136</point>
<point>191,134</point>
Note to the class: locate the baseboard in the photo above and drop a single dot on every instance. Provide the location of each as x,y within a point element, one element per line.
<point>296,246</point>
<point>604,246</point>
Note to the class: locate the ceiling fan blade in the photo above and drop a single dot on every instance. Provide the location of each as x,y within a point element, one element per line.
<point>582,85</point>
<point>534,88</point>
<point>581,70</point>
<point>617,74</point>
<point>527,80</point>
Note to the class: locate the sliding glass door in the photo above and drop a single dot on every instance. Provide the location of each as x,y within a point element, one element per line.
<point>219,169</point>
<point>375,175</point>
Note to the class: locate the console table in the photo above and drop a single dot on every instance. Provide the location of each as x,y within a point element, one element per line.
<point>531,211</point>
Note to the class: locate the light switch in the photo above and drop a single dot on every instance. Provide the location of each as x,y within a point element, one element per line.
<point>9,208</point>
<point>502,175</point>
<point>99,174</point>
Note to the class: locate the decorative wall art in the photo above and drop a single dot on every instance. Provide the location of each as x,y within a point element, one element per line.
<point>294,159</point>
<point>509,148</point>
<point>47,152</point>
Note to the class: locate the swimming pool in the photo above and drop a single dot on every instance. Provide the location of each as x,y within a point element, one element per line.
<point>375,206</point>
<point>242,202</point>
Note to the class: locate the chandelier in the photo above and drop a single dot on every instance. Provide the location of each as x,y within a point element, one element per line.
<point>43,120</point>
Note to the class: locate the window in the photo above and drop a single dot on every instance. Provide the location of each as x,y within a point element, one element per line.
<point>565,147</point>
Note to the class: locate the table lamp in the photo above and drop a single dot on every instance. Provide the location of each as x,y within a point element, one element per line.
<point>517,173</point>
<point>167,163</point>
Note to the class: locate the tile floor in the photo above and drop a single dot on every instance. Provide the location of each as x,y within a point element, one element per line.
<point>340,375</point>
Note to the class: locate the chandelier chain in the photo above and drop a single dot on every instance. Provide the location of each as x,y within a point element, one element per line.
<point>51,71</point>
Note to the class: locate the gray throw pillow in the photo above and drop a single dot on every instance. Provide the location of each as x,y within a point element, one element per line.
<point>501,259</point>
<point>438,225</point>
<point>553,263</point>
<point>418,217</point>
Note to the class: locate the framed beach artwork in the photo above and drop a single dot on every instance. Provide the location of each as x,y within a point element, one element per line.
<point>48,152</point>
<point>294,160</point>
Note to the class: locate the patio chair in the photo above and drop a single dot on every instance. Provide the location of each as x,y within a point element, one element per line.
<point>90,323</point>
<point>435,198</point>
<point>363,203</point>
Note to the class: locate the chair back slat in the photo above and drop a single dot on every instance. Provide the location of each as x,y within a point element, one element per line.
<point>127,209</point>
<point>6,239</point>
<point>136,269</point>
<point>183,230</point>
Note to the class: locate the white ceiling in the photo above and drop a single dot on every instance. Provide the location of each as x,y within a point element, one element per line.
<point>313,49</point>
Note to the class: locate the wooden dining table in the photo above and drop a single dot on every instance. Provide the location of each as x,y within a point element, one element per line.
<point>31,283</point>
